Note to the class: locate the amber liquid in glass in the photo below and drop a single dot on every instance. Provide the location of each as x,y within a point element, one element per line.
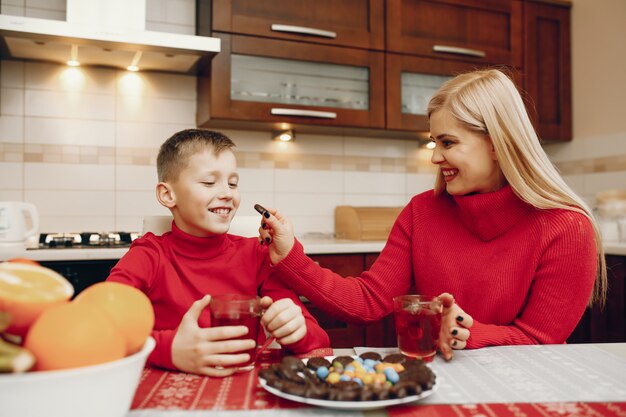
<point>418,333</point>
<point>250,320</point>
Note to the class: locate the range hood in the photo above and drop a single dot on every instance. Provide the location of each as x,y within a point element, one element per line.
<point>106,33</point>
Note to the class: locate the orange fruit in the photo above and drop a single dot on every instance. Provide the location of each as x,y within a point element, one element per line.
<point>73,334</point>
<point>23,261</point>
<point>27,290</point>
<point>129,308</point>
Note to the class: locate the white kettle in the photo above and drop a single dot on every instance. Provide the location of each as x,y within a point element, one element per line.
<point>19,223</point>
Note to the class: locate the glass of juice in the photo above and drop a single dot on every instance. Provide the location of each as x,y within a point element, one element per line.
<point>238,310</point>
<point>418,321</point>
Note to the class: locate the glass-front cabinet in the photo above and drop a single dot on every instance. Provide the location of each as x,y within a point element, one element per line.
<point>268,80</point>
<point>411,82</point>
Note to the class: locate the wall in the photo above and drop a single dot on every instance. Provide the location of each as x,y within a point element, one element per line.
<point>596,159</point>
<point>81,144</point>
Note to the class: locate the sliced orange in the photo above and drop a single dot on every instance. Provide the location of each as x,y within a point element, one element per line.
<point>129,308</point>
<point>73,334</point>
<point>27,290</point>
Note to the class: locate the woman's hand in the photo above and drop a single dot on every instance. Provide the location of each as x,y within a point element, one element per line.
<point>201,350</point>
<point>276,232</point>
<point>455,325</point>
<point>283,320</point>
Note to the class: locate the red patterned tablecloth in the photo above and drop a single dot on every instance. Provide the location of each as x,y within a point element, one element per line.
<point>165,390</point>
<point>161,389</point>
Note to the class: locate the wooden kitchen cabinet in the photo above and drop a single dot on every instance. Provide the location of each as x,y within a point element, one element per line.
<point>343,335</point>
<point>547,69</point>
<point>607,325</point>
<point>353,23</point>
<point>278,81</point>
<point>478,31</point>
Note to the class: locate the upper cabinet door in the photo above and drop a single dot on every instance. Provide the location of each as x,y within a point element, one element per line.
<point>547,69</point>
<point>482,31</point>
<point>355,23</point>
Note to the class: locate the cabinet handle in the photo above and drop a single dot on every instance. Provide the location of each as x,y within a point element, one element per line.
<point>459,51</point>
<point>304,113</point>
<point>304,31</point>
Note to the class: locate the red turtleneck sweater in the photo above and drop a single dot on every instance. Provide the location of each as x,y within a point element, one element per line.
<point>176,269</point>
<point>525,275</point>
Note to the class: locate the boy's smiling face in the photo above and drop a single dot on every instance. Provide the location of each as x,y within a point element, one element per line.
<point>205,195</point>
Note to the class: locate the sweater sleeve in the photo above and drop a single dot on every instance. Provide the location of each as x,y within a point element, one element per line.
<point>315,337</point>
<point>361,299</point>
<point>137,268</point>
<point>560,290</point>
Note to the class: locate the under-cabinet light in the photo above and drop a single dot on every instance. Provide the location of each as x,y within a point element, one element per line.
<point>134,65</point>
<point>73,61</point>
<point>284,135</point>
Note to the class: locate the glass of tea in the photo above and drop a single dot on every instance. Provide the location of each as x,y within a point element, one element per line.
<point>418,321</point>
<point>238,310</point>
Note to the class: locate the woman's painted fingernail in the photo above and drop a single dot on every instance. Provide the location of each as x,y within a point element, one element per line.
<point>261,242</point>
<point>266,214</point>
<point>454,332</point>
<point>263,225</point>
<point>268,240</point>
<point>459,318</point>
<point>454,343</point>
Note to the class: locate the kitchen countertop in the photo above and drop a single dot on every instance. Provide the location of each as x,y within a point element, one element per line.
<point>312,246</point>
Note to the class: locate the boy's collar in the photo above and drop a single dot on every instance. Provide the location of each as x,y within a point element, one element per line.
<point>197,247</point>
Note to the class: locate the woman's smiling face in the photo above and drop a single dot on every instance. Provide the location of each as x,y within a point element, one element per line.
<point>466,159</point>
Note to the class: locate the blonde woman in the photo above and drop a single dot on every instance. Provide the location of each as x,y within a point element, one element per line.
<point>501,231</point>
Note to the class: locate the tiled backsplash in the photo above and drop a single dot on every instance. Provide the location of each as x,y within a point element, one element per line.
<point>81,144</point>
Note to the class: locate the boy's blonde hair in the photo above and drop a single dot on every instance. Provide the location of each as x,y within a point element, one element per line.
<point>488,102</point>
<point>175,152</point>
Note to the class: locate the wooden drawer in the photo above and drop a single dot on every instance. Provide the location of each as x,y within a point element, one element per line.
<point>355,23</point>
<point>480,31</point>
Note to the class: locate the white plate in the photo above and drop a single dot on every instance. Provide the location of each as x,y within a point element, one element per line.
<point>348,405</point>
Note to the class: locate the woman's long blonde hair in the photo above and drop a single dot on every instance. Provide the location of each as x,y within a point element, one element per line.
<point>488,102</point>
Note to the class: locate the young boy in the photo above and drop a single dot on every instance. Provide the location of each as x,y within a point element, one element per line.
<point>179,270</point>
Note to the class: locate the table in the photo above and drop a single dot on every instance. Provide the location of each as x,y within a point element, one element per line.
<point>518,381</point>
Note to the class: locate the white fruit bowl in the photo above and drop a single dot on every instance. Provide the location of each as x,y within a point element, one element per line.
<point>104,390</point>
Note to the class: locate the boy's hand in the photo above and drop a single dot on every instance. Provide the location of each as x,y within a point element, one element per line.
<point>284,320</point>
<point>276,232</point>
<point>199,350</point>
<point>454,332</point>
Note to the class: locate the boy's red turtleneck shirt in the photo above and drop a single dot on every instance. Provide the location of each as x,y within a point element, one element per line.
<point>525,275</point>
<point>176,269</point>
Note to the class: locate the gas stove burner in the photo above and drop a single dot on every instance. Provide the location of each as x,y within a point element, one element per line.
<point>86,240</point>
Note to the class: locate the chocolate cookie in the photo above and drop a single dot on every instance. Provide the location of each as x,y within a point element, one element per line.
<point>294,389</point>
<point>344,360</point>
<point>290,375</point>
<point>412,363</point>
<point>317,391</point>
<point>375,356</point>
<point>403,389</point>
<point>315,363</point>
<point>292,362</point>
<point>395,358</point>
<point>345,391</point>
